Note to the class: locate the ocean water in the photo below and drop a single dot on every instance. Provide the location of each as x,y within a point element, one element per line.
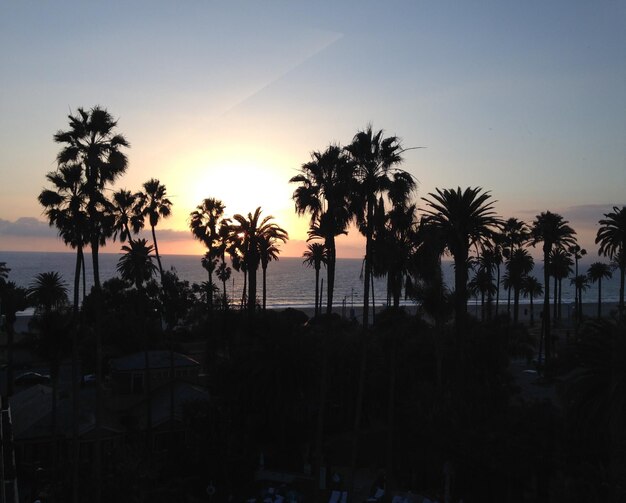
<point>289,282</point>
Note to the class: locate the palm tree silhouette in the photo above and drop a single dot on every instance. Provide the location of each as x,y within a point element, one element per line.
<point>66,208</point>
<point>91,142</point>
<point>519,265</point>
<point>223,274</point>
<point>531,288</point>
<point>581,283</point>
<point>204,223</point>
<point>612,239</point>
<point>324,192</point>
<point>315,256</point>
<point>4,272</point>
<point>248,232</point>
<point>127,220</point>
<point>560,267</point>
<point>268,252</point>
<point>515,233</point>
<point>464,219</point>
<point>553,231</point>
<point>596,273</point>
<point>375,161</point>
<point>489,261</point>
<point>136,266</point>
<point>153,203</point>
<point>48,291</point>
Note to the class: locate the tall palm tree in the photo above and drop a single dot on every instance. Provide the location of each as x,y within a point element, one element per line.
<point>153,203</point>
<point>519,265</point>
<point>577,253</point>
<point>560,267</point>
<point>551,230</point>
<point>489,261</point>
<point>464,219</point>
<point>204,223</point>
<point>136,265</point>
<point>315,256</point>
<point>48,291</point>
<point>515,233</point>
<point>249,231</point>
<point>127,221</point>
<point>92,143</point>
<point>269,251</point>
<point>531,288</point>
<point>611,237</point>
<point>65,207</point>
<point>324,192</point>
<point>376,160</point>
<point>596,273</point>
<point>223,274</point>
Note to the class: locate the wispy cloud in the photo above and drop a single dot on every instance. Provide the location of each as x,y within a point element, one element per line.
<point>26,227</point>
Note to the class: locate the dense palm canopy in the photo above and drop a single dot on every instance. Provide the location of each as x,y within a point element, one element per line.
<point>135,265</point>
<point>325,185</point>
<point>204,223</point>
<point>92,143</point>
<point>519,265</point>
<point>551,230</point>
<point>376,159</point>
<point>246,233</point>
<point>153,204</point>
<point>48,291</point>
<point>612,240</point>
<point>127,220</point>
<point>463,219</point>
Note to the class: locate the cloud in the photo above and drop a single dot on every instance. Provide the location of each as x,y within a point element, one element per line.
<point>584,215</point>
<point>26,227</point>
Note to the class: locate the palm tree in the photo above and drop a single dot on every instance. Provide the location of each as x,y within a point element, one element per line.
<point>519,265</point>
<point>66,208</point>
<point>489,261</point>
<point>204,223</point>
<point>560,267</point>
<point>375,161</point>
<point>596,273</point>
<point>514,234</point>
<point>531,288</point>
<point>223,274</point>
<point>48,292</point>
<point>324,192</point>
<point>136,265</point>
<point>464,219</point>
<point>4,271</point>
<point>552,230</point>
<point>315,256</point>
<point>126,218</point>
<point>154,204</point>
<point>612,239</point>
<point>249,231</point>
<point>269,251</point>
<point>91,143</point>
<point>482,283</point>
<point>581,283</point>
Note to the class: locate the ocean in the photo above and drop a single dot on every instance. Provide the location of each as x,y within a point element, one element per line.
<point>289,282</point>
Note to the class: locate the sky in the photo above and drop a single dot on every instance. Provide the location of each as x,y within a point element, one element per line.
<point>228,100</point>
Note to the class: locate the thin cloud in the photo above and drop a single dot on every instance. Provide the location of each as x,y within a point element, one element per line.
<point>26,227</point>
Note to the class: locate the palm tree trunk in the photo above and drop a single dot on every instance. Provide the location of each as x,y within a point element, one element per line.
<point>156,253</point>
<point>368,261</point>
<point>75,388</point>
<point>546,307</point>
<point>460,287</point>
<point>264,286</point>
<point>225,300</point>
<point>556,300</point>
<point>532,314</point>
<point>498,291</point>
<point>330,273</point>
<point>622,271</point>
<point>251,289</point>
<point>373,300</point>
<point>317,287</point>
<point>515,303</point>
<point>245,288</point>
<point>82,264</point>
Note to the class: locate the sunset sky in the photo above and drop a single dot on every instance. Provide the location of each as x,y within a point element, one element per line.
<point>228,99</point>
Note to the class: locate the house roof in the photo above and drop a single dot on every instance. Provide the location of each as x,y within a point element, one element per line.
<point>157,360</point>
<point>31,414</point>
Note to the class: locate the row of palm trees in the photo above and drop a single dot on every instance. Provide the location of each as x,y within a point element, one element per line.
<point>250,241</point>
<point>363,184</point>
